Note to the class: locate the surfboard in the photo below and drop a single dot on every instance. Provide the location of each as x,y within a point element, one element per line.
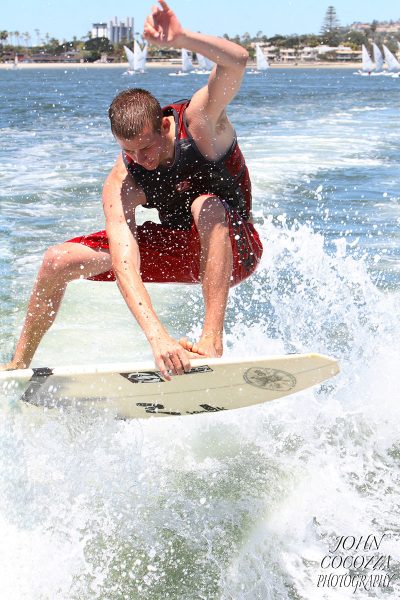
<point>132,391</point>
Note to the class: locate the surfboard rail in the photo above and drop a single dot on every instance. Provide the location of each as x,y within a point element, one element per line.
<point>137,390</point>
<point>150,366</point>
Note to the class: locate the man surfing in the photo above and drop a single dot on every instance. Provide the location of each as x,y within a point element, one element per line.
<point>184,161</point>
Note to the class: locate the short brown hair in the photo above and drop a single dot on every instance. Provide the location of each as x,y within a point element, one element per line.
<point>131,111</point>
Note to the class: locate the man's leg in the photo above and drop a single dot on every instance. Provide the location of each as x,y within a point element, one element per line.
<point>215,270</point>
<point>61,264</point>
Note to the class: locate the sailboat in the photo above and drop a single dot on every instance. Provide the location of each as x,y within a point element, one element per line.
<point>136,59</point>
<point>378,58</point>
<point>186,67</point>
<point>261,61</point>
<point>391,61</point>
<point>141,57</point>
<point>367,64</point>
<point>205,65</point>
<point>130,56</point>
<point>397,74</point>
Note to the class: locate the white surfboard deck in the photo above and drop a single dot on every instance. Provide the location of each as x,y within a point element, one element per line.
<point>138,390</point>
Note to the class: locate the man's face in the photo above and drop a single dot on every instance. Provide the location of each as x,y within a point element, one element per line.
<point>145,149</point>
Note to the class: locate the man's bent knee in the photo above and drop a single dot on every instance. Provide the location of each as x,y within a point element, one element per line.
<point>61,262</point>
<point>208,211</point>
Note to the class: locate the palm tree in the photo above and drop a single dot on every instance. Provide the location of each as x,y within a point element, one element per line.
<point>37,31</point>
<point>27,38</point>
<point>18,37</point>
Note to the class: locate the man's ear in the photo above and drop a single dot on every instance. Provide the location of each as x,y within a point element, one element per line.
<point>165,125</point>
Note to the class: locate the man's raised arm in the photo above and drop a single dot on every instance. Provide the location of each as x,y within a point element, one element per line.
<point>163,28</point>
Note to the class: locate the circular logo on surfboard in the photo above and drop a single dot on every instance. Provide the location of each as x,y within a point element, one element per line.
<point>270,379</point>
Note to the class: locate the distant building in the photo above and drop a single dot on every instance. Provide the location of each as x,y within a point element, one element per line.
<point>382,26</point>
<point>120,32</point>
<point>116,31</point>
<point>340,53</point>
<point>314,53</point>
<point>288,55</point>
<point>72,56</point>
<point>346,54</point>
<point>270,52</point>
<point>308,54</point>
<point>391,27</point>
<point>360,26</point>
<point>99,30</point>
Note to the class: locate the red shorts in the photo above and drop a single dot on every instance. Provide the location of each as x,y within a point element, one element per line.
<point>173,256</point>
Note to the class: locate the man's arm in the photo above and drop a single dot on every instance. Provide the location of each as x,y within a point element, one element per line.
<point>163,28</point>
<point>121,196</point>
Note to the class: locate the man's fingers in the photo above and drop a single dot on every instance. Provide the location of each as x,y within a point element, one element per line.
<point>177,363</point>
<point>164,5</point>
<point>181,361</point>
<point>149,29</point>
<point>163,369</point>
<point>150,21</point>
<point>169,361</point>
<point>174,358</point>
<point>184,358</point>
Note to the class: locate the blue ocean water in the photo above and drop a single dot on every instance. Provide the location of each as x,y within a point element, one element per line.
<point>242,505</point>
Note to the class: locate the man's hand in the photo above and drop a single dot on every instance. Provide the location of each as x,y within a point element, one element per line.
<point>162,26</point>
<point>171,357</point>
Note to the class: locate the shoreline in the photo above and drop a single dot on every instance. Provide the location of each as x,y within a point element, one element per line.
<point>164,65</point>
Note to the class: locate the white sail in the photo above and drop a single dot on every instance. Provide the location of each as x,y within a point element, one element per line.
<point>392,62</point>
<point>140,56</point>
<point>205,64</point>
<point>378,58</point>
<point>137,58</point>
<point>262,63</point>
<point>187,64</point>
<point>130,58</point>
<point>367,64</point>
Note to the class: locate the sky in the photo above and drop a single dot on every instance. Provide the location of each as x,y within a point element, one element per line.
<point>65,19</point>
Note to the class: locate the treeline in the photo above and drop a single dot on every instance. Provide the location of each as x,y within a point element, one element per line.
<point>87,50</point>
<point>331,34</point>
<point>90,50</point>
<point>342,37</point>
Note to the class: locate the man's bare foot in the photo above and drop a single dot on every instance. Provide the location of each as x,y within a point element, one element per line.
<point>207,346</point>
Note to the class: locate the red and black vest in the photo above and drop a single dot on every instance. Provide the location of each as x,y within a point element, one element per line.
<point>172,190</point>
